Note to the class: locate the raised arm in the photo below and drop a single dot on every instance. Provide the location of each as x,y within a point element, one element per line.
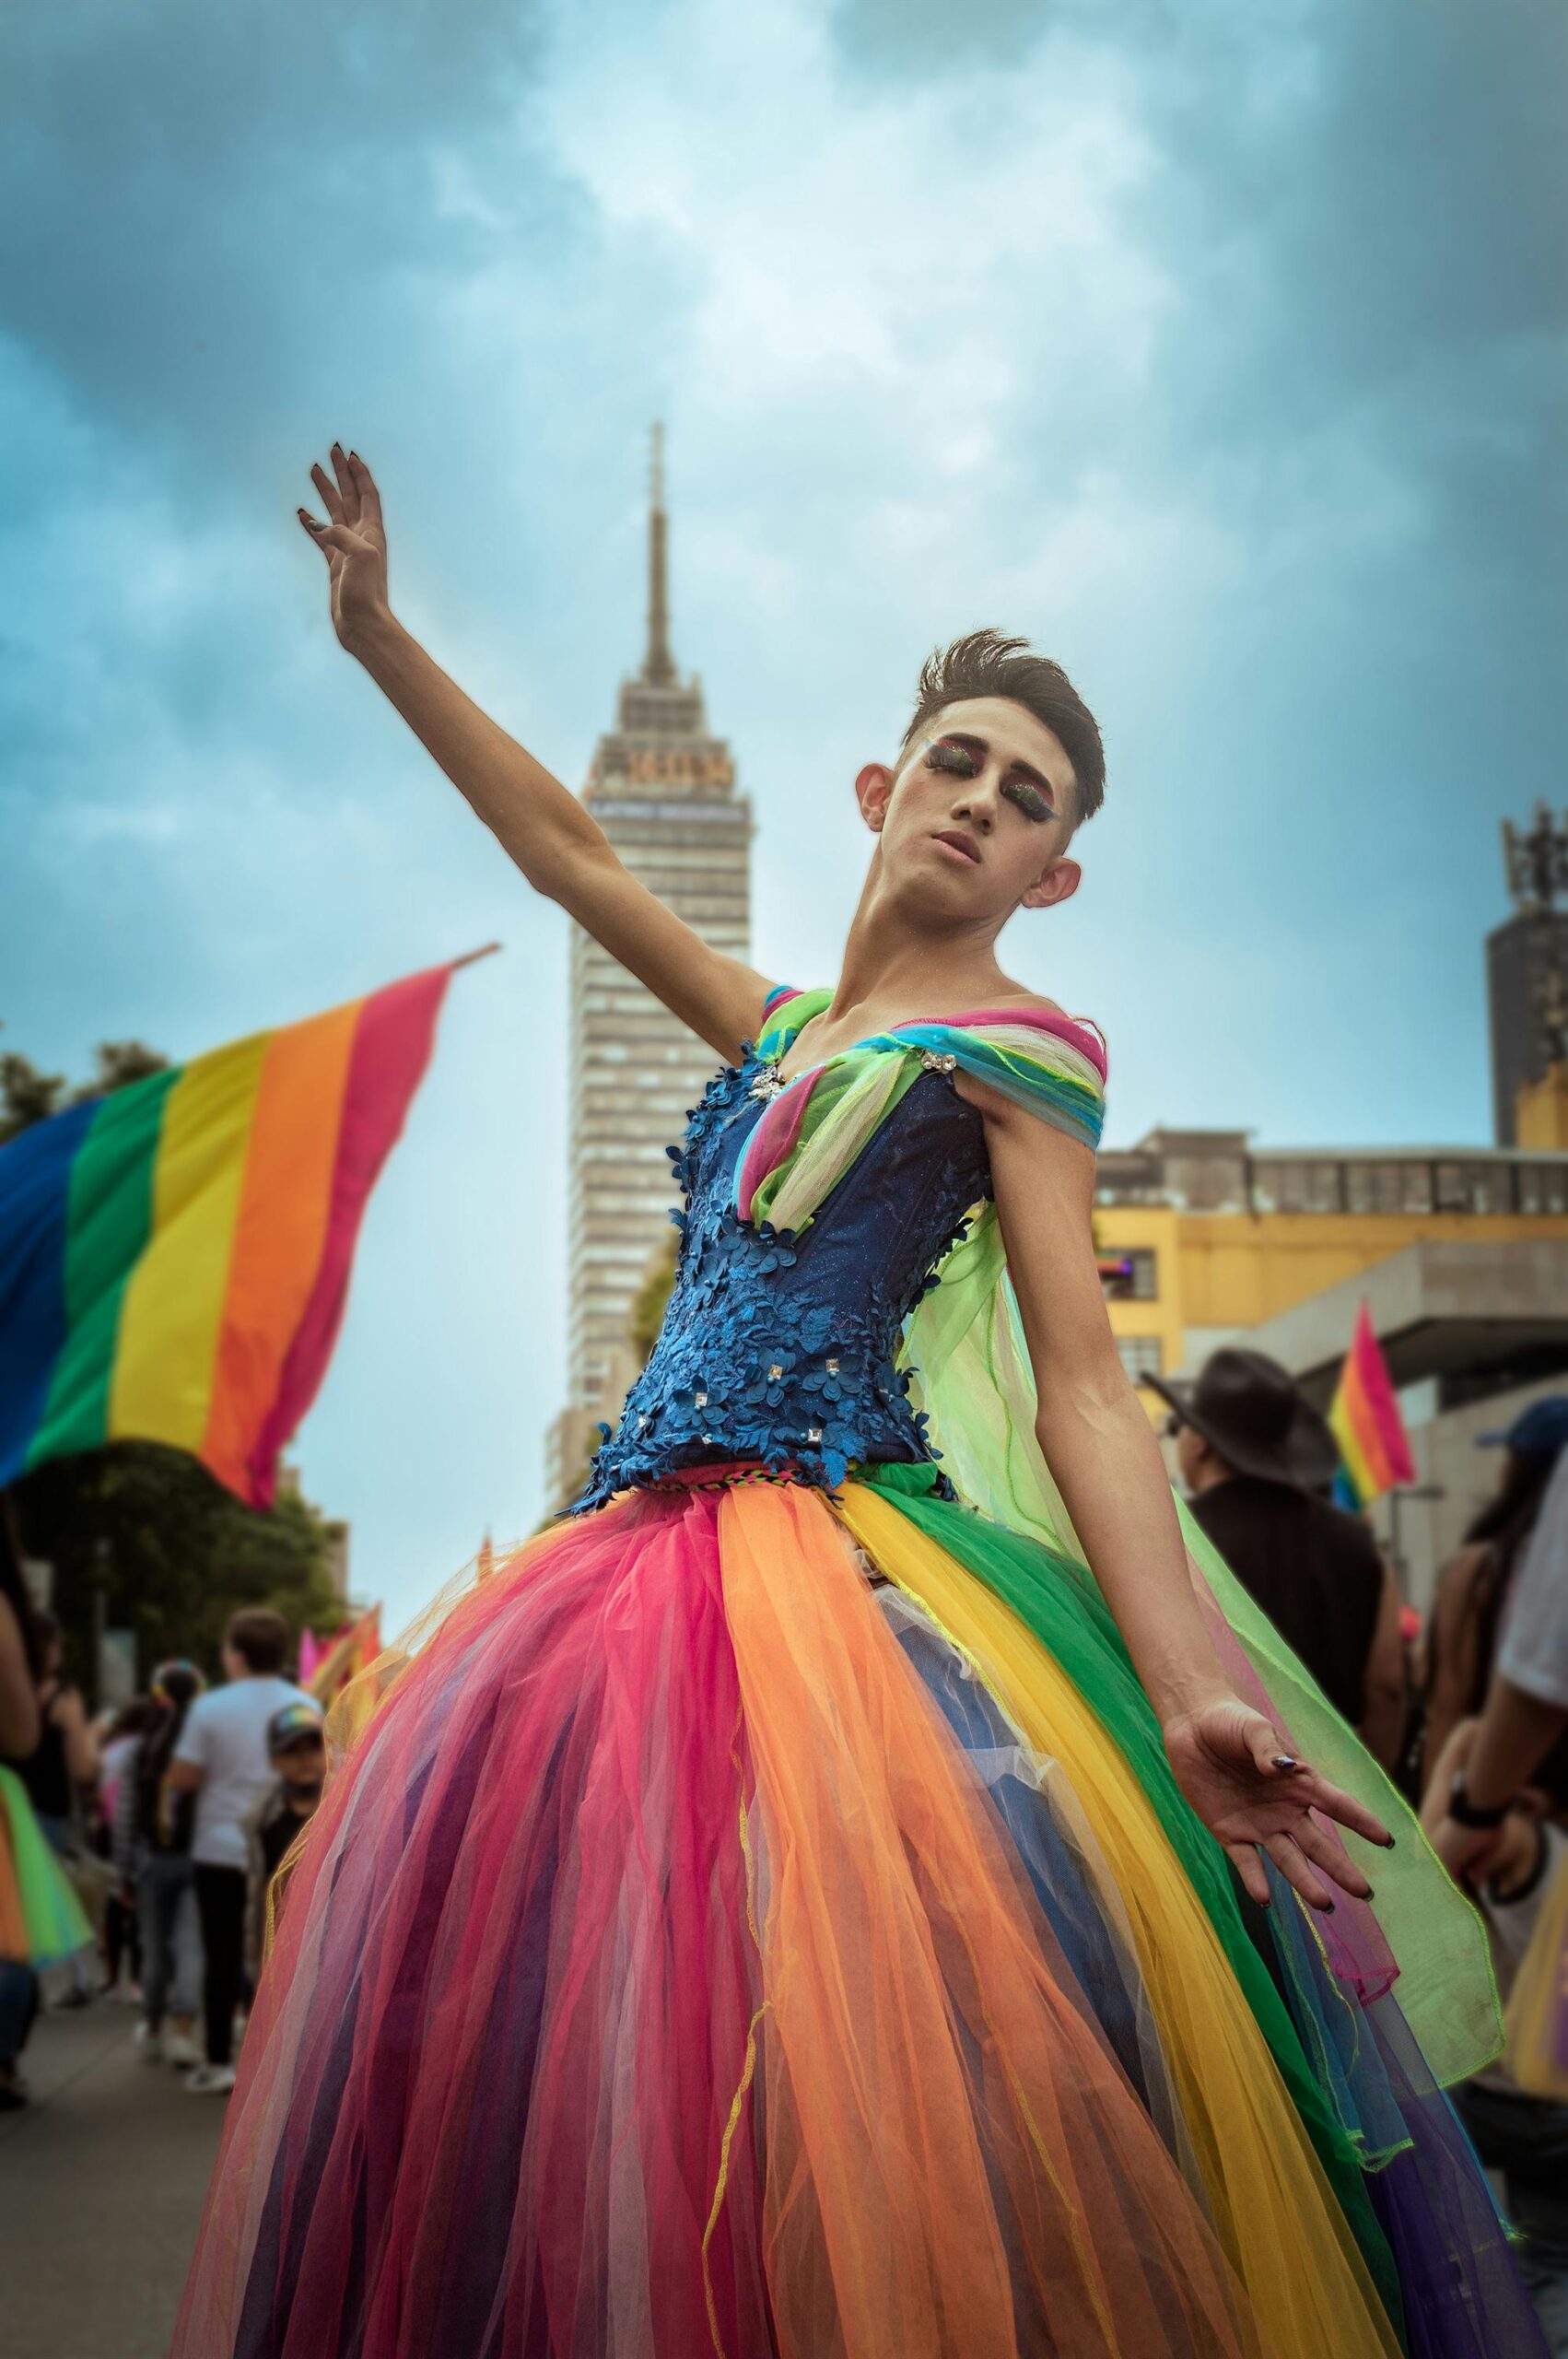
<point>555,841</point>
<point>1101,1451</point>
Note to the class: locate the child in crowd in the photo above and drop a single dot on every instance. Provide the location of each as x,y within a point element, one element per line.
<point>299,1759</point>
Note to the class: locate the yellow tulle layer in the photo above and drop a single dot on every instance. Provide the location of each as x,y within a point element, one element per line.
<point>1272,2208</point>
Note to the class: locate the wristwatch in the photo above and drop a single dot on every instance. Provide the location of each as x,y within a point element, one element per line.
<point>1465,1813</point>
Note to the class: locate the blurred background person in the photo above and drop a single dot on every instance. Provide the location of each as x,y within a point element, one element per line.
<point>1475,1588</point>
<point>41,1919</point>
<point>221,1758</point>
<point>297,1750</point>
<point>20,1664</point>
<point>1520,2135</point>
<point>154,1828</point>
<point>1256,1459</point>
<point>59,1775</point>
<point>118,1735</point>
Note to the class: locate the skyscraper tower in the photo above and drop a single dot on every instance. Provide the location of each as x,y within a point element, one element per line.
<point>1526,966</point>
<point>664,790</point>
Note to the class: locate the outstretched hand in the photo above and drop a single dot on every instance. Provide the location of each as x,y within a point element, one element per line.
<point>353,541</point>
<point>1253,1796</point>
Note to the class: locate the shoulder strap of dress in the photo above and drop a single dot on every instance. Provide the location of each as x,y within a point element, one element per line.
<point>785,1011</point>
<point>1052,1065</point>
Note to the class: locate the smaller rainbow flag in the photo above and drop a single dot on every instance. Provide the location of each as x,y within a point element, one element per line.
<point>175,1258</point>
<point>1374,1449</point>
<point>334,1661</point>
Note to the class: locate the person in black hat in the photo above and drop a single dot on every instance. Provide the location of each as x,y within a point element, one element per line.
<point>1257,1459</point>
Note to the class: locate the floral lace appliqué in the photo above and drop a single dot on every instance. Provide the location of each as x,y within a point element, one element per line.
<point>781,1352</point>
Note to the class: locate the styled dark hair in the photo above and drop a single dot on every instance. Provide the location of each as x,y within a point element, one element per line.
<point>17,1595</point>
<point>260,1635</point>
<point>179,1685</point>
<point>985,663</point>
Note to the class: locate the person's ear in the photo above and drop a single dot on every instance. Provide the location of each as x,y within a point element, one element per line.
<point>1059,882</point>
<point>873,790</point>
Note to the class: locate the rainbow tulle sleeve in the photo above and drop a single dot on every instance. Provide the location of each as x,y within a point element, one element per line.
<point>821,1122</point>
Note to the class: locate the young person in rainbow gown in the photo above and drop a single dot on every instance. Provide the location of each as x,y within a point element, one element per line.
<point>867,1881</point>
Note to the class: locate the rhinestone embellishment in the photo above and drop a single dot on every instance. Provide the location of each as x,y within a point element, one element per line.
<point>934,1061</point>
<point>768,1083</point>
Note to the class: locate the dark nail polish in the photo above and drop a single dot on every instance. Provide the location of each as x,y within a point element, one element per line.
<point>1388,1843</point>
<point>1284,1760</point>
<point>1328,1908</point>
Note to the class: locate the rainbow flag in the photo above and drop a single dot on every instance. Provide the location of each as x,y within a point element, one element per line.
<point>175,1258</point>
<point>1374,1451</point>
<point>337,1660</point>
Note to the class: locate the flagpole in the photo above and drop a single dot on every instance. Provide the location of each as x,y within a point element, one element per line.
<point>471,957</point>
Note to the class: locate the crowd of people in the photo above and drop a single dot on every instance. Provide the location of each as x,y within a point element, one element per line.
<point>138,1847</point>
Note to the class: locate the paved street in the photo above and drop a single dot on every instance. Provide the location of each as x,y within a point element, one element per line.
<point>101,2187</point>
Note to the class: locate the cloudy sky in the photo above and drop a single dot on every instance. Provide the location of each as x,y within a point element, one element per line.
<point>1215,346</point>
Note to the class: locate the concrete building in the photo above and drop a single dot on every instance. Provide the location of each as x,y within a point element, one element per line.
<point>1472,1330</point>
<point>1527,969</point>
<point>1203,1237</point>
<point>664,790</point>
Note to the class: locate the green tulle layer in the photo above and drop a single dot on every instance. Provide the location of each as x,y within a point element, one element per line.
<point>1051,1597</point>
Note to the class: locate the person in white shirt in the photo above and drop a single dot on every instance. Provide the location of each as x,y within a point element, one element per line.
<point>222,1759</point>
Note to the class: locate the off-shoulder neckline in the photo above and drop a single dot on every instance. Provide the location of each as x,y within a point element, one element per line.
<point>1079,1031</point>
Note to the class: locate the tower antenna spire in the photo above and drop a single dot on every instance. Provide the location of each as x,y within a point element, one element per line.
<point>657,664</point>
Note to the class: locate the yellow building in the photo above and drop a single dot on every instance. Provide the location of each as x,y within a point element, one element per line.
<point>1201,1238</point>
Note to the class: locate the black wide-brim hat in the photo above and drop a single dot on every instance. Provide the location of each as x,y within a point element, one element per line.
<point>1249,1409</point>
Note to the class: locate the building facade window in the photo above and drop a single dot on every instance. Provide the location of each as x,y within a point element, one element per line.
<point>1543,1187</point>
<point>1131,1276</point>
<point>1140,1354</point>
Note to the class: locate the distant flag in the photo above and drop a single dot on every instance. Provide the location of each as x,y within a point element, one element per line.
<point>1374,1449</point>
<point>174,1257</point>
<point>312,1652</point>
<point>344,1656</point>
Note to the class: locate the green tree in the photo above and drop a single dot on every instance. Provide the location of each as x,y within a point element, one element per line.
<point>27,1095</point>
<point>142,1537</point>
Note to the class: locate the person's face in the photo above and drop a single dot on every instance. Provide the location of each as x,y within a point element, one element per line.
<point>303,1768</point>
<point>975,821</point>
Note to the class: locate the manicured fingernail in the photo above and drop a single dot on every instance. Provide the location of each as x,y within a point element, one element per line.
<point>1285,1761</point>
<point>1388,1843</point>
<point>1327,1908</point>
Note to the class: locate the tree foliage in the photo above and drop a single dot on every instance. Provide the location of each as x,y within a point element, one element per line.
<point>142,1537</point>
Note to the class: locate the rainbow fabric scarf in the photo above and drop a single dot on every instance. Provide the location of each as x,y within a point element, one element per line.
<point>820,1121</point>
<point>1375,1451</point>
<point>175,1258</point>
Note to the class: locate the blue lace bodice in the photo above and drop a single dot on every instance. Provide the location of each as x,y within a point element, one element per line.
<point>780,1350</point>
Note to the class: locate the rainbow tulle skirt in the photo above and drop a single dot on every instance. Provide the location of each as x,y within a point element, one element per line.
<point>757,1924</point>
<point>42,1921</point>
